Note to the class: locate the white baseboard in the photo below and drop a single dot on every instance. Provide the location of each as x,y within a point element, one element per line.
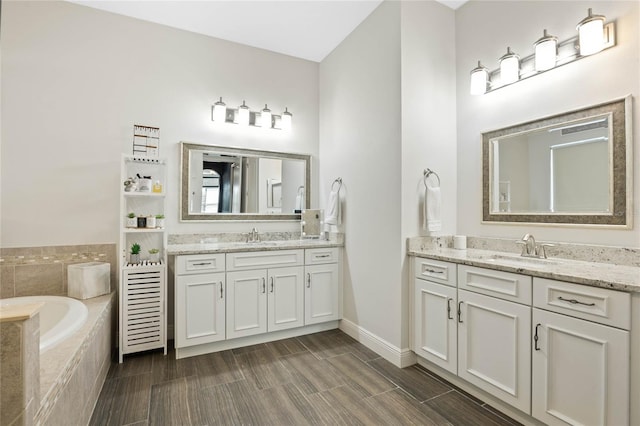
<point>398,357</point>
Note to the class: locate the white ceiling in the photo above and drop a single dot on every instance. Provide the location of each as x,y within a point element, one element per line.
<point>307,29</point>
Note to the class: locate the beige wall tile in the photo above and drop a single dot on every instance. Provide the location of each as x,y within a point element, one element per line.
<point>7,281</point>
<point>33,280</point>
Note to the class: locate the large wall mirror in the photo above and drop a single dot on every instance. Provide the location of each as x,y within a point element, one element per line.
<point>572,168</point>
<point>222,183</point>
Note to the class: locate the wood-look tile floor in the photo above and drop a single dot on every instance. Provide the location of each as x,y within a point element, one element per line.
<point>321,379</point>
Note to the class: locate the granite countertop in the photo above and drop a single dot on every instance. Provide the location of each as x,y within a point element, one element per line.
<point>230,247</point>
<point>606,275</point>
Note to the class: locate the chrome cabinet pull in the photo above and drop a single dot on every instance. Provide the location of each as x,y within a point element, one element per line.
<point>433,271</point>
<point>575,302</point>
<point>221,290</point>
<point>264,286</point>
<point>449,308</point>
<point>460,312</point>
<point>535,338</point>
<point>271,284</point>
<point>308,280</point>
<point>202,263</point>
<point>319,256</point>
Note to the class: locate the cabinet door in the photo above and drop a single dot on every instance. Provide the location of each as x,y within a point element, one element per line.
<point>246,303</point>
<point>580,371</point>
<point>494,349</point>
<point>435,330</point>
<point>321,298</point>
<point>285,298</point>
<point>200,309</point>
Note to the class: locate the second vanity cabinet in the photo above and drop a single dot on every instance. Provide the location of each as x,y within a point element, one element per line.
<point>581,354</point>
<point>554,350</point>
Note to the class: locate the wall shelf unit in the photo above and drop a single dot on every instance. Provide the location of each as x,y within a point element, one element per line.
<point>143,285</point>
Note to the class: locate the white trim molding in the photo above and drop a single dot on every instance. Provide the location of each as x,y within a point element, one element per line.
<point>399,357</point>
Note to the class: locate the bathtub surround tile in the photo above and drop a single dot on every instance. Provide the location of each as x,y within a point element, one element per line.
<point>20,359</point>
<point>7,281</point>
<point>30,280</point>
<point>42,279</point>
<point>70,377</point>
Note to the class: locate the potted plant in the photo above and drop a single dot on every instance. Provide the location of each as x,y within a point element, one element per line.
<point>160,221</point>
<point>154,255</point>
<point>132,220</point>
<point>134,257</point>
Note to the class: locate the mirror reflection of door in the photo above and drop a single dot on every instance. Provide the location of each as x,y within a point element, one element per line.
<point>229,178</point>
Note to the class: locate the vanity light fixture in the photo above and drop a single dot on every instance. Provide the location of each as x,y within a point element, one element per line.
<point>590,31</point>
<point>509,67</point>
<point>479,80</point>
<point>546,52</point>
<point>286,120</point>
<point>219,111</point>
<point>265,118</point>
<point>594,35</point>
<point>243,115</point>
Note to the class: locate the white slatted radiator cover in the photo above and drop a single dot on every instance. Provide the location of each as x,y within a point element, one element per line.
<point>143,308</point>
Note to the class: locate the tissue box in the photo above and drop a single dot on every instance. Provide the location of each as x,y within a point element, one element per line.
<point>87,280</point>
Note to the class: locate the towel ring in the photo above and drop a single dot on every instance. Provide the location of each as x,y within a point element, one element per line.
<point>339,182</point>
<point>429,172</point>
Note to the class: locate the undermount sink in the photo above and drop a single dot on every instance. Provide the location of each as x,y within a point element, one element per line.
<point>519,260</point>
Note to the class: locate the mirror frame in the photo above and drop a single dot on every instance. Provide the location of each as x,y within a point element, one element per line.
<point>185,215</point>
<point>622,170</point>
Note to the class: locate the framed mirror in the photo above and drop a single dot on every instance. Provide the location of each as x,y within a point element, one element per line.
<point>568,169</point>
<point>223,183</point>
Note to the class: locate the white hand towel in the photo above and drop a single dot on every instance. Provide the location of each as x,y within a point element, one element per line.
<point>432,219</point>
<point>333,214</point>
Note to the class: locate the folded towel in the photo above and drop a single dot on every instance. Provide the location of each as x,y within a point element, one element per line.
<point>333,214</point>
<point>432,219</point>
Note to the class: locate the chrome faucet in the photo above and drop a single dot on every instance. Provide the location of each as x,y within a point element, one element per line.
<point>531,249</point>
<point>253,236</point>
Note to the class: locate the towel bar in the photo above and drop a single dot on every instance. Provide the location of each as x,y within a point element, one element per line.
<point>339,182</point>
<point>429,172</point>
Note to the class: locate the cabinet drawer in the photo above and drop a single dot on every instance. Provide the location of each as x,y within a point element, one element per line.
<point>435,270</point>
<point>200,263</point>
<point>264,259</point>
<point>321,255</point>
<point>596,304</point>
<point>504,285</point>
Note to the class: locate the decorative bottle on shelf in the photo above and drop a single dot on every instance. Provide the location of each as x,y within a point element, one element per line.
<point>157,187</point>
